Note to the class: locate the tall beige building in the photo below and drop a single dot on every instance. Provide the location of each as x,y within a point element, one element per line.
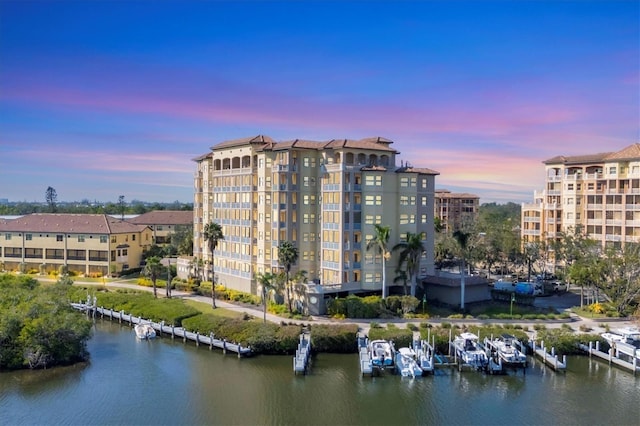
<point>325,197</point>
<point>455,209</point>
<point>598,192</point>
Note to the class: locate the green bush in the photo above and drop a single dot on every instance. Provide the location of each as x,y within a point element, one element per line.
<point>565,342</point>
<point>334,338</point>
<point>400,337</point>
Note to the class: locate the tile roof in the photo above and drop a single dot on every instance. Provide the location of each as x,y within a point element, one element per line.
<point>164,217</point>
<point>632,152</point>
<point>419,170</point>
<point>69,223</point>
<point>259,139</point>
<point>445,193</point>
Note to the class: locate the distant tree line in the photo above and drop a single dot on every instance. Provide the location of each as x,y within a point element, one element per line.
<point>88,207</point>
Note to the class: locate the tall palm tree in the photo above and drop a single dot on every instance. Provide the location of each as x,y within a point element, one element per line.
<point>152,269</point>
<point>212,235</point>
<point>462,238</point>
<point>401,277</point>
<point>267,281</point>
<point>287,256</point>
<point>379,242</point>
<point>411,252</point>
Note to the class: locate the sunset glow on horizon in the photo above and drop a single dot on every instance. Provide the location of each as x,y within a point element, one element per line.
<point>100,98</point>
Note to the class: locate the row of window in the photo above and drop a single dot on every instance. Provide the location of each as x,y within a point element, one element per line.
<point>58,254</point>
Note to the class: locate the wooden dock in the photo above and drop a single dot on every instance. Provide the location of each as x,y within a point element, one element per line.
<point>550,359</point>
<point>612,357</point>
<point>170,330</point>
<point>303,354</point>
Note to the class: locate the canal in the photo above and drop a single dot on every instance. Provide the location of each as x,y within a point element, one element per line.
<point>165,382</point>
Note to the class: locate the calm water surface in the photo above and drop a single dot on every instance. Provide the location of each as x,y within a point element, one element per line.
<point>165,382</point>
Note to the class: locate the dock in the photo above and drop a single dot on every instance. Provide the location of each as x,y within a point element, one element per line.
<point>171,330</point>
<point>424,352</point>
<point>366,366</point>
<point>303,354</point>
<point>549,358</point>
<point>612,357</point>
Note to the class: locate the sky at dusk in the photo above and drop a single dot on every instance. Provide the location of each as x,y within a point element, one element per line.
<point>106,98</point>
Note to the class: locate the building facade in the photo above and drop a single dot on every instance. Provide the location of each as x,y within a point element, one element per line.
<point>600,193</point>
<point>455,209</point>
<point>163,223</point>
<point>324,197</point>
<point>89,244</point>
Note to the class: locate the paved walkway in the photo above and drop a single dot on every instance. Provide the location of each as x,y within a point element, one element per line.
<point>560,302</point>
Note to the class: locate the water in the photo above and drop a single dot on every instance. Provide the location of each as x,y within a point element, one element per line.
<point>165,382</point>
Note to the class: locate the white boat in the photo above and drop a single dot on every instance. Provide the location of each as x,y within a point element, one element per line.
<point>406,363</point>
<point>144,331</point>
<point>625,340</point>
<point>505,347</point>
<point>382,353</point>
<point>469,351</point>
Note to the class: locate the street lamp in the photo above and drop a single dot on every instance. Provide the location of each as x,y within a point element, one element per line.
<point>513,299</point>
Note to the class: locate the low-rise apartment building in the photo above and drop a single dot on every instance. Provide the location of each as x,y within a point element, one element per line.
<point>163,223</point>
<point>454,209</point>
<point>324,197</point>
<point>599,193</point>
<point>89,244</point>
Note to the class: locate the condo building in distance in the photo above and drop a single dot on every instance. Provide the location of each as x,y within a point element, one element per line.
<point>324,197</point>
<point>600,193</point>
<point>455,209</point>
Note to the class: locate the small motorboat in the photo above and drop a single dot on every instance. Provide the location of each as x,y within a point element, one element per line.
<point>144,331</point>
<point>382,353</point>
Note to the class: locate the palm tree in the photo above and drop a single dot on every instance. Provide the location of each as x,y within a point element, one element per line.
<point>379,242</point>
<point>411,252</point>
<point>212,235</point>
<point>267,281</point>
<point>152,269</point>
<point>401,277</point>
<point>287,256</point>
<point>462,238</point>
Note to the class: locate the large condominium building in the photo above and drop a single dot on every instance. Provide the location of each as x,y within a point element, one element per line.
<point>598,192</point>
<point>325,197</point>
<point>455,209</point>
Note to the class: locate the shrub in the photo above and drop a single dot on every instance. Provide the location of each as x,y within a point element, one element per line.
<point>334,338</point>
<point>400,337</point>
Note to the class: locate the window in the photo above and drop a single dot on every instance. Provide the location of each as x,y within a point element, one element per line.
<point>373,200</point>
<point>368,259</point>
<point>59,238</point>
<point>372,219</point>
<point>309,218</point>
<point>308,181</point>
<point>404,200</point>
<point>373,180</point>
<point>28,237</point>
<point>404,219</point>
<point>423,218</point>
<point>406,182</point>
<point>309,200</point>
<point>81,238</point>
<point>103,238</point>
<point>309,162</point>
<point>612,170</point>
<point>133,237</point>
<point>423,200</point>
<point>7,236</point>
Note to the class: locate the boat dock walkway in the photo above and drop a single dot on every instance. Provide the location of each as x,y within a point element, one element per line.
<point>303,354</point>
<point>171,330</point>
<point>613,357</point>
<point>366,364</point>
<point>425,354</point>
<point>550,359</point>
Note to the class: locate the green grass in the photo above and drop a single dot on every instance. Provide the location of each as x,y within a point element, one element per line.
<point>205,308</point>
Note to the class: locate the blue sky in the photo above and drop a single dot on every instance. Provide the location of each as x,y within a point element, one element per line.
<point>106,98</point>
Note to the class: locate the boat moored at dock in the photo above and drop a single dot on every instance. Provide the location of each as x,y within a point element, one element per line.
<point>469,351</point>
<point>144,331</point>
<point>382,353</point>
<point>506,349</point>
<point>407,364</point>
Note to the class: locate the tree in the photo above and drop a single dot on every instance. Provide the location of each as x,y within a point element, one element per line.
<point>153,269</point>
<point>287,256</point>
<point>121,206</point>
<point>379,243</point>
<point>621,273</point>
<point>462,238</point>
<point>411,253</point>
<point>52,198</point>
<point>401,277</point>
<point>267,284</point>
<point>212,235</point>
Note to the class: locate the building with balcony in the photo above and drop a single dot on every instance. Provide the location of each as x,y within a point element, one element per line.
<point>598,192</point>
<point>89,244</point>
<point>455,209</point>
<point>324,197</point>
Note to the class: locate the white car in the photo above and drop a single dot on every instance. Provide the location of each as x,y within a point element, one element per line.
<point>559,287</point>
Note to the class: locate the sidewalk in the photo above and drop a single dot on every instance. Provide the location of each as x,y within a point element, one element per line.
<point>576,322</point>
